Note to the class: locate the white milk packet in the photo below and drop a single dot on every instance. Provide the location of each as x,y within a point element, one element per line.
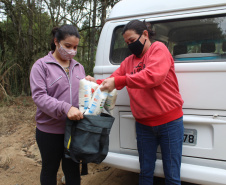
<point>85,94</point>
<point>110,101</point>
<point>97,103</point>
<point>94,86</point>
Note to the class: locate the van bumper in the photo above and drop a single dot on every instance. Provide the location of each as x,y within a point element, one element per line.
<point>189,172</point>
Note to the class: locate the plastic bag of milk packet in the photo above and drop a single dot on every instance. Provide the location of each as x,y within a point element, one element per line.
<point>86,89</point>
<point>110,101</point>
<point>97,103</point>
<point>94,86</point>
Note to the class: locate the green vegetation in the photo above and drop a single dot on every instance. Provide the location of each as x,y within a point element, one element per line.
<point>25,36</point>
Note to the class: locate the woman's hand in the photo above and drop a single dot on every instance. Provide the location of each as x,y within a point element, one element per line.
<point>108,84</point>
<point>74,114</point>
<point>90,78</point>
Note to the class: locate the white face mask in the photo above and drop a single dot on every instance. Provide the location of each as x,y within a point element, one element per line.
<point>66,54</point>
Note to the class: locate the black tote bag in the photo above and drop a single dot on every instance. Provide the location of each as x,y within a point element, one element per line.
<point>87,140</point>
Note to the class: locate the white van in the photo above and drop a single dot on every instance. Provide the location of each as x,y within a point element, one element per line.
<point>195,34</point>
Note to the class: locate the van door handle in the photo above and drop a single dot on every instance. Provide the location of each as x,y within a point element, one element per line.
<point>127,116</point>
<point>200,119</point>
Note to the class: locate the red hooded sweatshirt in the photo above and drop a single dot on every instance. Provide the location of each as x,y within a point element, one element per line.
<point>152,86</point>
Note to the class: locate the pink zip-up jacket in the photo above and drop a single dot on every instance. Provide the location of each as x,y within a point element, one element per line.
<point>54,93</point>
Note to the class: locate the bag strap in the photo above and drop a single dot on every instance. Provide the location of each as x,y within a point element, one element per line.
<point>73,135</point>
<point>69,143</point>
<point>69,140</point>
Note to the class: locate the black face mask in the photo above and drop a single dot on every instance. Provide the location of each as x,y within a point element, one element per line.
<point>136,47</point>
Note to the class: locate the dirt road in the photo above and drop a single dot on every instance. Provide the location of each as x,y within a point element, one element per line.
<point>20,161</point>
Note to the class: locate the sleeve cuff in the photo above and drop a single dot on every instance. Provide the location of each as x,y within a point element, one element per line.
<point>67,107</point>
<point>99,81</point>
<point>120,82</point>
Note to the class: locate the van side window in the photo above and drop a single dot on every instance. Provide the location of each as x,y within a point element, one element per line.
<point>197,40</point>
<point>194,40</point>
<point>119,49</point>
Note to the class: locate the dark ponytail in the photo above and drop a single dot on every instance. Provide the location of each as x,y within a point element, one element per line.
<point>139,27</point>
<point>54,30</point>
<point>60,33</point>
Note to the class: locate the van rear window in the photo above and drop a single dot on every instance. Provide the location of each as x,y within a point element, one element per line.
<point>196,40</point>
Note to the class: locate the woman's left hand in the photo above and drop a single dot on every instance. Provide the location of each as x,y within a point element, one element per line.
<point>90,78</point>
<point>74,114</point>
<point>108,84</point>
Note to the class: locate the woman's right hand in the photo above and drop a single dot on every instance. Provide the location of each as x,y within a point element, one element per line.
<point>74,114</point>
<point>90,78</point>
<point>108,84</point>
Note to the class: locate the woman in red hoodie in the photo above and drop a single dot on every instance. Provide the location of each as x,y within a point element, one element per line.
<point>155,101</point>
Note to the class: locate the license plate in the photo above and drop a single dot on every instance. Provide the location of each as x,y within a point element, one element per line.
<point>190,137</point>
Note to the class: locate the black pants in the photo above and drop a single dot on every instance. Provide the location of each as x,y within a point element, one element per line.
<point>51,147</point>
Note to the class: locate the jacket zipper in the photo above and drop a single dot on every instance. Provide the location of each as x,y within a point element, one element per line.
<point>67,78</point>
<point>70,84</point>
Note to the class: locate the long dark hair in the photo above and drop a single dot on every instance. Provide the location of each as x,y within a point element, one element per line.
<point>60,33</point>
<point>138,27</point>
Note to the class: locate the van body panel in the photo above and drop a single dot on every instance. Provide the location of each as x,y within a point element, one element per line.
<point>205,83</point>
<point>209,135</point>
<point>201,77</point>
<point>192,76</point>
<point>134,8</point>
<point>189,172</point>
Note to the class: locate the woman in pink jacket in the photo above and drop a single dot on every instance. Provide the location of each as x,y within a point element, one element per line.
<point>54,82</point>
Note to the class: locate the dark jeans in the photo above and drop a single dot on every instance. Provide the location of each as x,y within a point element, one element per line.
<point>170,138</point>
<point>51,147</point>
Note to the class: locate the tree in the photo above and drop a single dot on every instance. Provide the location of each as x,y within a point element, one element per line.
<point>25,35</point>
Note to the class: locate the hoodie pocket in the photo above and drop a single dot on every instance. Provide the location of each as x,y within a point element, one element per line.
<point>51,84</point>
